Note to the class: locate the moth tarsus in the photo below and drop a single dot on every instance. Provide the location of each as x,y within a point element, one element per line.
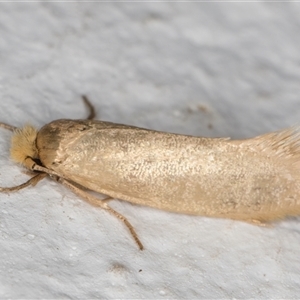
<point>32,181</point>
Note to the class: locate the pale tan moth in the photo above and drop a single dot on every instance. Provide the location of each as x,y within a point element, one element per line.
<point>254,180</point>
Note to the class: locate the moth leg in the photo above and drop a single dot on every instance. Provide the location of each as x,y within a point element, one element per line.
<point>33,166</point>
<point>259,223</point>
<point>28,172</point>
<point>44,170</point>
<point>91,108</point>
<point>97,202</point>
<point>8,127</point>
<point>107,199</point>
<point>256,222</point>
<point>32,181</point>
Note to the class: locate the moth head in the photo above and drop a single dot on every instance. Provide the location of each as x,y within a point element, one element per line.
<point>23,144</point>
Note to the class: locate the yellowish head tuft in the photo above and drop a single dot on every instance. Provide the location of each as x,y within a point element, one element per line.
<point>23,144</point>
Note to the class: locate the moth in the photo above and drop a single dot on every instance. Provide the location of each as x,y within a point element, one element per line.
<point>254,180</point>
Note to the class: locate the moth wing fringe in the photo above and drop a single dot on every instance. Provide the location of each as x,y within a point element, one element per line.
<point>283,143</point>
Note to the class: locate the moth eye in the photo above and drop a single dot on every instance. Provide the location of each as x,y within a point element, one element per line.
<point>57,162</point>
<point>36,160</point>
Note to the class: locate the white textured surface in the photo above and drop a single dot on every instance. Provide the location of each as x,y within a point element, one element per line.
<point>213,69</point>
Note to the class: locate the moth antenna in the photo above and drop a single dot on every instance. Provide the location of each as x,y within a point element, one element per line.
<point>32,181</point>
<point>91,108</point>
<point>7,126</point>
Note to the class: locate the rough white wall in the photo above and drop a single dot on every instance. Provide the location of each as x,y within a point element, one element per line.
<point>212,69</point>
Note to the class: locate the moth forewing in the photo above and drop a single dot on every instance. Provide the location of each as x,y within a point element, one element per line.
<point>242,180</point>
